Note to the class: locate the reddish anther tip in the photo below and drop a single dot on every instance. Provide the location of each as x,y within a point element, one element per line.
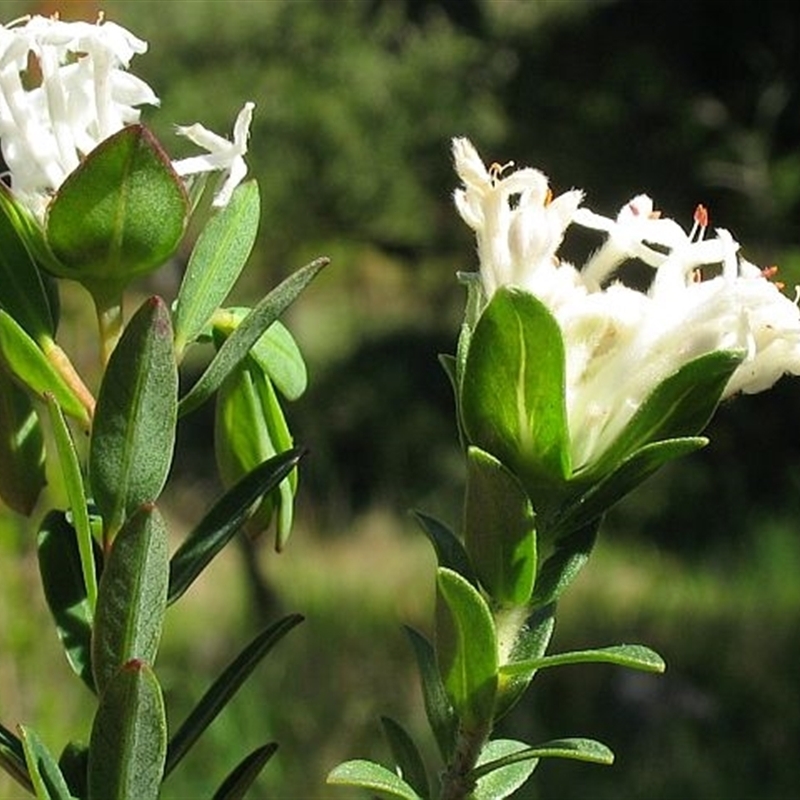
<point>701,216</point>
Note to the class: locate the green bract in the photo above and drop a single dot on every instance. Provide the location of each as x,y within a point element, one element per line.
<point>119,215</point>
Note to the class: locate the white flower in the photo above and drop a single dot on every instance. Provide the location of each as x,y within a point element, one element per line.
<point>85,95</point>
<point>621,343</point>
<point>223,155</point>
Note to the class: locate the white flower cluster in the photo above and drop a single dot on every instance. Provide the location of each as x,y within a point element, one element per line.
<point>621,343</point>
<point>64,88</point>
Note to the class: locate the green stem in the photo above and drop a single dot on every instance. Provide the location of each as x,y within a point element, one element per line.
<point>457,781</point>
<point>108,305</point>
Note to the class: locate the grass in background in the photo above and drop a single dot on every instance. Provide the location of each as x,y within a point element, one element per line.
<point>722,722</point>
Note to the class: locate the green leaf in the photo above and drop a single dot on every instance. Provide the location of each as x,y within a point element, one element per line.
<point>368,775</point>
<point>450,552</point>
<point>504,780</point>
<point>132,597</point>
<point>217,260</point>
<point>562,567</point>
<point>280,357</point>
<point>22,453</point>
<point>24,360</point>
<point>406,756</point>
<point>240,779</point>
<point>23,291</point>
<point>129,737</point>
<point>466,648</point>
<point>512,394</point>
<point>224,688</point>
<point>574,748</point>
<point>633,656</point>
<point>120,214</point>
<point>224,519</point>
<point>237,346</point>
<point>134,427</point>
<point>48,782</point>
<point>678,407</point>
<point>438,709</point>
<point>276,351</point>
<point>73,481</point>
<point>499,530</point>
<point>65,591</point>
<point>624,479</point>
<point>74,765</point>
<point>12,758</point>
<point>249,427</point>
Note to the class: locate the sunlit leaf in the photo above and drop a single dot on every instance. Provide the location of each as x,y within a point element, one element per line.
<point>120,214</point>
<point>368,775</point>
<point>132,597</point>
<point>217,260</point>
<point>45,774</point>
<point>134,427</point>
<point>129,737</point>
<point>466,648</point>
<point>238,344</point>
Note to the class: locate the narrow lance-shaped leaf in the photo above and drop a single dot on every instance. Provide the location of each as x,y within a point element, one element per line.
<point>575,748</point>
<point>466,649</point>
<point>237,346</point>
<point>373,777</point>
<point>223,689</point>
<point>450,552</point>
<point>132,597</point>
<point>633,656</point>
<point>217,260</point>
<point>599,497</point>
<point>129,737</point>
<point>240,779</point>
<point>438,708</point>
<point>120,214</point>
<point>12,758</point>
<point>679,407</point>
<point>48,782</point>
<point>220,524</point>
<point>406,756</point>
<point>134,428</point>
<point>22,453</point>
<point>65,591</point>
<point>73,481</point>
<point>24,360</point>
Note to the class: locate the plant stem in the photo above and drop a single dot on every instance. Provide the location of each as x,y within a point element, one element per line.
<point>457,784</point>
<point>108,305</point>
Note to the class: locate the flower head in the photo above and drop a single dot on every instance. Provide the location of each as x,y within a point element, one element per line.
<point>84,96</point>
<point>622,343</point>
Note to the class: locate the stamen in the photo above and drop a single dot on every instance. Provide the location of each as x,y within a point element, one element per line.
<point>496,170</point>
<point>769,273</point>
<point>548,198</point>
<point>700,223</point>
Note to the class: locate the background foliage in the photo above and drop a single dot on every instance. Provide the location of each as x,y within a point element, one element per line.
<point>356,103</point>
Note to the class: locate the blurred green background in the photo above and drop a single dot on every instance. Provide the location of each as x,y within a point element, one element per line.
<point>356,101</point>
